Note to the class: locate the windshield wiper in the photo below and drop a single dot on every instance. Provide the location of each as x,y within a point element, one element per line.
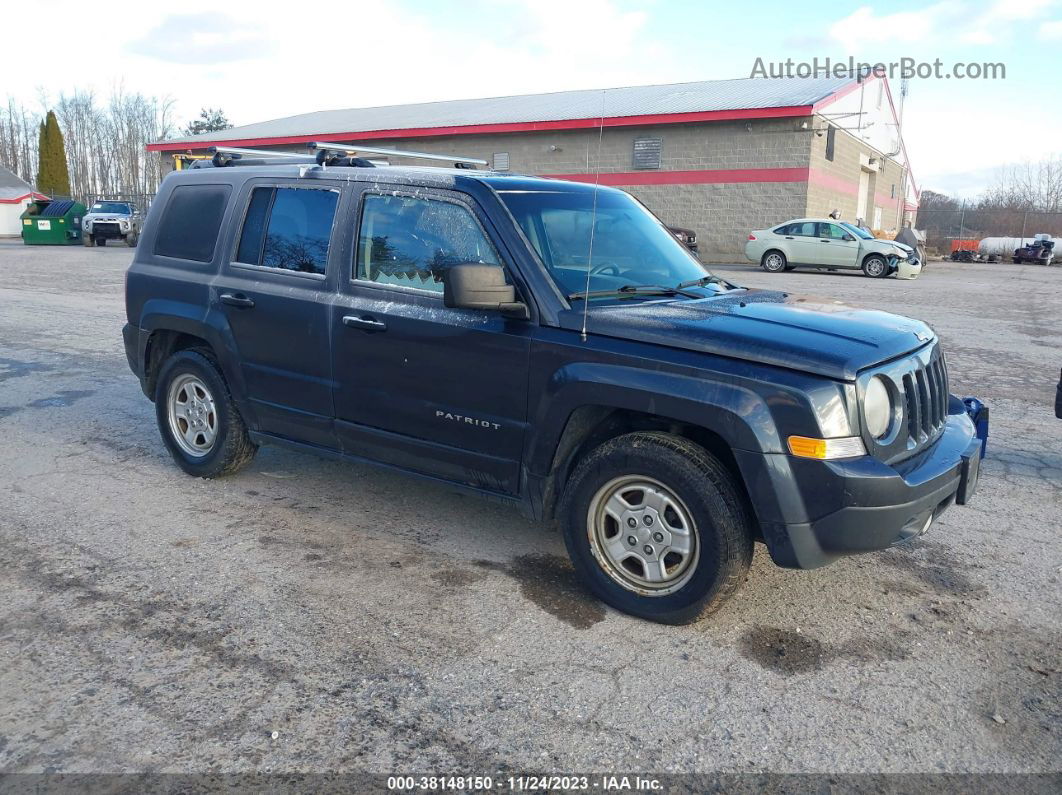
<point>706,280</point>
<point>636,289</point>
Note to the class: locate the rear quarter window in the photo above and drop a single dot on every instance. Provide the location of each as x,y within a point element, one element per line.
<point>191,221</point>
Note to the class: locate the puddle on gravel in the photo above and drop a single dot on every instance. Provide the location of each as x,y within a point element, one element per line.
<point>936,571</point>
<point>457,578</point>
<point>787,652</point>
<point>65,397</point>
<point>550,582</point>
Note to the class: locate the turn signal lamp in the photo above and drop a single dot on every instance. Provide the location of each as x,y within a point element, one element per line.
<point>826,449</point>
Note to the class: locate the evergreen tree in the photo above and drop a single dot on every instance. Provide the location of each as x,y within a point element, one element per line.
<point>53,177</point>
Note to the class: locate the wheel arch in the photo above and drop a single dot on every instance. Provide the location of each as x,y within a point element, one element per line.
<point>719,417</point>
<point>169,327</point>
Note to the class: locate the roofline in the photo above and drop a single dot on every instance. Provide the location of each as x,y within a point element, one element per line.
<point>503,127</point>
<point>848,89</point>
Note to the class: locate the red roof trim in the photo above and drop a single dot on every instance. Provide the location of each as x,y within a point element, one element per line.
<point>513,127</point>
<point>710,176</point>
<point>23,197</point>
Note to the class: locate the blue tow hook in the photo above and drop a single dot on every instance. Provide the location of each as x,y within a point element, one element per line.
<point>978,412</point>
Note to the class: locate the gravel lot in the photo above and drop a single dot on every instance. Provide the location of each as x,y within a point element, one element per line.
<point>154,622</point>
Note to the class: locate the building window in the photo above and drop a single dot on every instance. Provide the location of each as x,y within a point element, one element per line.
<point>892,193</point>
<point>831,140</point>
<point>647,152</point>
<point>501,161</point>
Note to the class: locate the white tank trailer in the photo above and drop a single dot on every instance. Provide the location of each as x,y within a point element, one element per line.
<point>1004,246</point>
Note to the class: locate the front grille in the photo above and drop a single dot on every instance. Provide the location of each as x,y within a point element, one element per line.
<point>925,390</point>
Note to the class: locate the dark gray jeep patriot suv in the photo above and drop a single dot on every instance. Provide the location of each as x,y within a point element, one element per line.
<point>544,343</point>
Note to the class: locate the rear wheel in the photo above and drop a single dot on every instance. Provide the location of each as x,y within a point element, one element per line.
<point>656,528</point>
<point>875,266</point>
<point>774,261</point>
<point>197,418</point>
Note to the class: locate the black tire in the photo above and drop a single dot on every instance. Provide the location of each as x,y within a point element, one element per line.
<point>790,267</point>
<point>774,261</point>
<point>232,447</point>
<point>131,239</point>
<point>101,241</point>
<point>1017,260</point>
<point>875,266</point>
<point>721,523</point>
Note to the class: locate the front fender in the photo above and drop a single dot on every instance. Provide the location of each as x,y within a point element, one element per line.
<point>737,413</point>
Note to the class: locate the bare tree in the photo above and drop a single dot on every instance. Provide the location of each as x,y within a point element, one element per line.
<point>105,143</point>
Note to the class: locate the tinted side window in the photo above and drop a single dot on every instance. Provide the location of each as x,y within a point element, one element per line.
<point>191,221</point>
<point>806,229</point>
<point>288,228</point>
<point>785,229</point>
<point>411,242</point>
<point>250,250</point>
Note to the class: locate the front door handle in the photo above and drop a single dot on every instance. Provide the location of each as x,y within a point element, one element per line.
<point>366,322</point>
<point>237,299</point>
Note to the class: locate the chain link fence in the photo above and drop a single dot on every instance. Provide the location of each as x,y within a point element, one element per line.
<point>944,226</point>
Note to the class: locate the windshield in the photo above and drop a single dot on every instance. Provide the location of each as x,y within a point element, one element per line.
<point>631,247</point>
<point>111,207</point>
<point>855,230</point>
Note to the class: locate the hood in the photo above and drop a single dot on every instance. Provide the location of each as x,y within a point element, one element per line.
<point>107,216</point>
<point>813,335</point>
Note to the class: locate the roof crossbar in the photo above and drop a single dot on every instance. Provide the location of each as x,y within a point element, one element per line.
<point>351,149</point>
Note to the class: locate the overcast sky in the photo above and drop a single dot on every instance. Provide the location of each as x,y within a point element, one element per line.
<point>262,60</point>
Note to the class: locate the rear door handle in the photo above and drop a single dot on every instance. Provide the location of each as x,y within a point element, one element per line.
<point>237,299</point>
<point>788,237</point>
<point>368,323</point>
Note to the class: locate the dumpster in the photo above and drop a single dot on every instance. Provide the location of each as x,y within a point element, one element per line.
<point>52,222</point>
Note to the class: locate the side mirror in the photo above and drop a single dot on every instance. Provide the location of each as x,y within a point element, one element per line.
<point>481,287</point>
<point>849,238</point>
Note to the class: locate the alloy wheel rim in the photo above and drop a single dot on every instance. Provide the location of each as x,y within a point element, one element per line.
<point>193,417</point>
<point>875,267</point>
<point>774,262</point>
<point>642,535</point>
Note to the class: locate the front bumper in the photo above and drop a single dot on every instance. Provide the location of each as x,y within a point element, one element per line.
<point>822,510</point>
<point>106,230</point>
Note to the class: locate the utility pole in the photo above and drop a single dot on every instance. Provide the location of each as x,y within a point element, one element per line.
<point>1024,219</point>
<point>962,218</point>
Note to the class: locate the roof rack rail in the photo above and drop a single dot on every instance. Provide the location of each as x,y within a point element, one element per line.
<point>327,154</point>
<point>351,149</point>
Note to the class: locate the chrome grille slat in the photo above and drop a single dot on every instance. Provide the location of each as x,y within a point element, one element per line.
<point>920,381</point>
<point>926,390</point>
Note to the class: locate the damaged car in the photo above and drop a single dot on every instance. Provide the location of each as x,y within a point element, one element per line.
<point>833,245</point>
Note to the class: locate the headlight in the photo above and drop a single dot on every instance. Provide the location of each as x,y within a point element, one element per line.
<point>877,407</point>
<point>87,224</point>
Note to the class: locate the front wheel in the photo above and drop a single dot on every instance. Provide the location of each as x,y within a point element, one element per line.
<point>774,262</point>
<point>130,240</point>
<point>875,267</point>
<point>197,418</point>
<point>101,241</point>
<point>656,527</point>
<point>86,240</point>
